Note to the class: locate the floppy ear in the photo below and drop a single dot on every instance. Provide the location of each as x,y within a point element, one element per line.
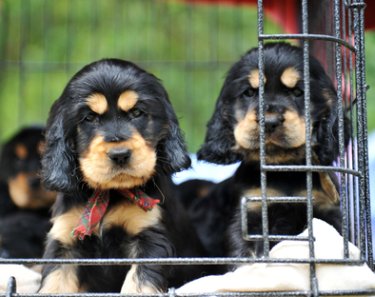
<point>175,150</point>
<point>327,130</point>
<point>58,162</point>
<point>172,148</point>
<point>6,162</point>
<point>219,141</point>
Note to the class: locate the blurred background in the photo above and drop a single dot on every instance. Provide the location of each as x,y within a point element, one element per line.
<point>189,45</point>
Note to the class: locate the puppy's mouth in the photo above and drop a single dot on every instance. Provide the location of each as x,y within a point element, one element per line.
<point>124,164</point>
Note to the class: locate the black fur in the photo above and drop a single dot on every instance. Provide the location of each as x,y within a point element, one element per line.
<point>24,202</point>
<point>218,213</point>
<point>71,129</point>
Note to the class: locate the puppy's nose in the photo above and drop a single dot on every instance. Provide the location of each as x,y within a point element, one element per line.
<point>34,182</point>
<point>272,121</point>
<point>119,156</point>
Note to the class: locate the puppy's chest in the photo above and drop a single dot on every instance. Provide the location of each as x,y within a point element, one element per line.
<point>126,216</point>
<point>290,188</point>
<point>130,217</point>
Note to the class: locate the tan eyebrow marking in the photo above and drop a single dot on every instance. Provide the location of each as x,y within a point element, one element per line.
<point>290,77</point>
<point>127,100</point>
<point>97,103</point>
<point>21,151</point>
<point>254,78</point>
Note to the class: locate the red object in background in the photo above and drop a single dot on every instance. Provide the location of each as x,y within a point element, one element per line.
<point>284,12</point>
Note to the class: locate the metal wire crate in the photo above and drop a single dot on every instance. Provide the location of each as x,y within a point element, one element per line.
<point>339,44</point>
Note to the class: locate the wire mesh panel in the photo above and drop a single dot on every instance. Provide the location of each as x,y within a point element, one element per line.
<point>343,32</point>
<point>335,37</point>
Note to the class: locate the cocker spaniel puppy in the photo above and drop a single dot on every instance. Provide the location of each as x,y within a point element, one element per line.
<point>112,142</point>
<point>24,202</point>
<point>20,166</point>
<point>233,135</point>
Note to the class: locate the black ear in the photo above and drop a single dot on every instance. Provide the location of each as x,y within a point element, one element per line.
<point>327,130</point>
<point>172,152</point>
<point>175,152</point>
<point>7,162</point>
<point>219,142</point>
<point>59,163</point>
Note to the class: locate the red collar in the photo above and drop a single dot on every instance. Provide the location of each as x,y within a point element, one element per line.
<point>97,205</point>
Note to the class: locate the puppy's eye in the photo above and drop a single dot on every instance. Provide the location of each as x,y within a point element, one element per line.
<point>250,92</point>
<point>135,113</point>
<point>297,92</point>
<point>91,117</point>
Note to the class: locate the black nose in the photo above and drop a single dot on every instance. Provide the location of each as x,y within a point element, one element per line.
<point>272,121</point>
<point>34,182</point>
<point>120,156</point>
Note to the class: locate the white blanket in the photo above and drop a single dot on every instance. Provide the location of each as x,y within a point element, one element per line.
<point>289,276</point>
<point>27,280</point>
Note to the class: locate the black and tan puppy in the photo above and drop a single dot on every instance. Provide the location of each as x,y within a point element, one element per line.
<point>112,142</point>
<point>20,166</point>
<point>24,202</point>
<point>233,135</point>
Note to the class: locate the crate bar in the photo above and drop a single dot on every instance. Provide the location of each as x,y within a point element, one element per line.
<point>352,117</point>
<point>278,199</point>
<point>340,114</point>
<point>367,205</point>
<point>306,77</point>
<point>262,151</point>
<point>364,205</point>
<point>347,158</point>
<point>307,37</point>
<point>172,292</point>
<point>182,261</point>
<point>312,168</point>
<point>277,237</point>
<point>353,156</point>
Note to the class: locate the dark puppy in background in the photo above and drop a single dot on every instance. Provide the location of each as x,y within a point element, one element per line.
<point>24,202</point>
<point>112,142</point>
<point>233,135</point>
<point>20,165</point>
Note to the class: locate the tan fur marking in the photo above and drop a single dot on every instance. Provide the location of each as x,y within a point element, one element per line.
<point>133,285</point>
<point>41,147</point>
<point>62,280</point>
<point>254,79</point>
<point>257,192</point>
<point>330,97</point>
<point>246,131</point>
<point>21,151</point>
<point>290,77</point>
<point>295,129</point>
<point>329,188</point>
<point>64,224</point>
<point>127,100</point>
<point>97,103</point>
<point>320,198</point>
<point>131,218</point>
<point>98,169</point>
<point>25,197</point>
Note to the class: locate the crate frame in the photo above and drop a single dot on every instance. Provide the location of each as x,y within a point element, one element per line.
<point>355,18</point>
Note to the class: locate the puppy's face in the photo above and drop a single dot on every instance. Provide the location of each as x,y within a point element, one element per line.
<point>118,136</point>
<point>20,168</point>
<point>114,127</point>
<point>237,110</point>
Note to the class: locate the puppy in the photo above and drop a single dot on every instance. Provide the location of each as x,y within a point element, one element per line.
<point>112,142</point>
<point>24,202</point>
<point>20,165</point>
<point>233,135</point>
